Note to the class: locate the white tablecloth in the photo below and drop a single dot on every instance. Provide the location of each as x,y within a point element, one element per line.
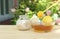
<point>11,32</point>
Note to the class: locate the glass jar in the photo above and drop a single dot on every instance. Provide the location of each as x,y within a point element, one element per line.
<point>23,23</point>
<point>42,27</point>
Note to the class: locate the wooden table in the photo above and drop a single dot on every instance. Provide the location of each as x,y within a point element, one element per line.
<point>11,32</point>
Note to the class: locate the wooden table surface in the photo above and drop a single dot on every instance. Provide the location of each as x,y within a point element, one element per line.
<point>11,32</point>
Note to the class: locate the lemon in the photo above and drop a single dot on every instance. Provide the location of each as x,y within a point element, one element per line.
<point>47,20</point>
<point>40,14</point>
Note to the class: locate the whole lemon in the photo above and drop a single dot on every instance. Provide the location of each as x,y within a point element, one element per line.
<point>47,20</point>
<point>40,14</point>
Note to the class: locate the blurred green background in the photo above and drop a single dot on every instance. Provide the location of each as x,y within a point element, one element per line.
<point>34,6</point>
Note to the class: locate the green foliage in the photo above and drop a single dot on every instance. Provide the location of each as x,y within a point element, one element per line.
<point>40,6</point>
<point>30,14</point>
<point>35,6</point>
<point>54,10</point>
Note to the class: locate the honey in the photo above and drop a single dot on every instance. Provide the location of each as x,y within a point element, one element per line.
<point>42,28</point>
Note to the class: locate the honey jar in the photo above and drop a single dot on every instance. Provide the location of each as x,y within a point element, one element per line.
<point>42,28</point>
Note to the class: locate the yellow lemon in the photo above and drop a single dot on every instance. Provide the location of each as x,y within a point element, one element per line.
<point>40,14</point>
<point>47,20</point>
